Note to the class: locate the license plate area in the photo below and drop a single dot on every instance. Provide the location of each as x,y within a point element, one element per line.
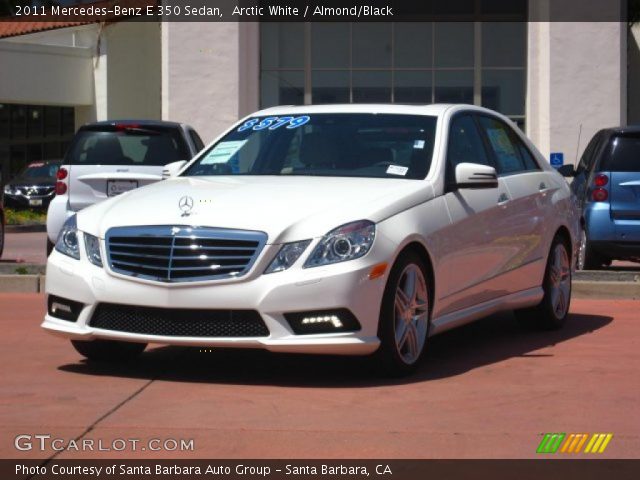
<point>35,202</point>
<point>116,187</point>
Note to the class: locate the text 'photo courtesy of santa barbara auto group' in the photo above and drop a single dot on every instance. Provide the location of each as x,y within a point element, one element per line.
<point>319,239</point>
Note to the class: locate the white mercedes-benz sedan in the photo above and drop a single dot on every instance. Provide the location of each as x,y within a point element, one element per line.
<point>339,229</point>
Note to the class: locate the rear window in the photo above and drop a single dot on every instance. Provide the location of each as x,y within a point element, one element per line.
<point>623,154</point>
<point>40,170</point>
<point>133,146</point>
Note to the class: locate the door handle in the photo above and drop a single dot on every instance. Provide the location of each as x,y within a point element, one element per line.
<point>543,186</point>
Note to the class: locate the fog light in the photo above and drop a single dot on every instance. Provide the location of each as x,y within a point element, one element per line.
<point>64,309</point>
<point>328,321</point>
<point>335,321</point>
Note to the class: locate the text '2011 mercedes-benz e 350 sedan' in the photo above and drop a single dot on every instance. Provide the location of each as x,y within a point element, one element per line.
<point>354,229</point>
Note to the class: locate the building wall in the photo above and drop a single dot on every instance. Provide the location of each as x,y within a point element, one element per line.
<point>633,80</point>
<point>209,74</point>
<point>104,71</point>
<point>576,80</point>
<point>133,73</point>
<point>45,74</point>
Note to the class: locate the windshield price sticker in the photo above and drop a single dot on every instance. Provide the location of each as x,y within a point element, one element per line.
<point>397,170</point>
<point>222,152</point>
<point>273,123</point>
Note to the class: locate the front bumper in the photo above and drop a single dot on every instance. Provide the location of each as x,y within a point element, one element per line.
<point>338,286</point>
<point>27,201</point>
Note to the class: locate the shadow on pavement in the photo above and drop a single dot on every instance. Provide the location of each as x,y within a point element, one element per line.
<point>479,344</point>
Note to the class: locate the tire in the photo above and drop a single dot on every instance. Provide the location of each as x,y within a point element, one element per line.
<point>587,259</point>
<point>551,313</point>
<point>403,326</point>
<point>50,246</point>
<point>108,350</point>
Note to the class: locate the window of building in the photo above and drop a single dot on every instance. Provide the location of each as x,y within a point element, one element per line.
<point>30,133</point>
<point>482,63</point>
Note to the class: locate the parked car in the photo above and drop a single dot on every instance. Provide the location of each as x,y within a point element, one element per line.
<point>106,159</point>
<point>2,225</point>
<point>34,187</point>
<point>607,186</point>
<point>342,229</point>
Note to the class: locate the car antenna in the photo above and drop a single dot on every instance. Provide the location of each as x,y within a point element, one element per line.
<point>578,147</point>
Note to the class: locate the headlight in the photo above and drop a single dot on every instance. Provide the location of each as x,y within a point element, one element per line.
<point>92,247</point>
<point>347,242</point>
<point>287,256</point>
<point>68,239</point>
<point>8,190</point>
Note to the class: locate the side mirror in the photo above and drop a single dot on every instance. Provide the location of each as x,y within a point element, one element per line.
<point>171,169</point>
<point>567,171</point>
<point>475,175</point>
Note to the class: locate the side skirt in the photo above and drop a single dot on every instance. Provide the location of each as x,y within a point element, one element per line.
<point>522,299</point>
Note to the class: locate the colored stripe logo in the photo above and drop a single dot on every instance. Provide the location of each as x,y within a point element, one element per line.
<point>574,443</point>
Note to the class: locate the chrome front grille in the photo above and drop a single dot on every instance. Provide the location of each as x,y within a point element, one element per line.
<point>35,191</point>
<point>175,254</point>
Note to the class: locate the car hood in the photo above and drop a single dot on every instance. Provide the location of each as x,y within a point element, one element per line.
<point>286,208</point>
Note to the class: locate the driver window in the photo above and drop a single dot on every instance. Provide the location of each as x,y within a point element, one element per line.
<point>465,146</point>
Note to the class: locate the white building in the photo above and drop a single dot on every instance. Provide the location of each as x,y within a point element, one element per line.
<point>561,81</point>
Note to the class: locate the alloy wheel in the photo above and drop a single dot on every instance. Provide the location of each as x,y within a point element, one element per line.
<point>582,250</point>
<point>411,307</point>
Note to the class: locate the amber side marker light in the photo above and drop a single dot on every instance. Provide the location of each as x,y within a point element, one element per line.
<point>378,270</point>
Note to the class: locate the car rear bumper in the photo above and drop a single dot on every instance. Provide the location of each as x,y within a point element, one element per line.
<point>617,249</point>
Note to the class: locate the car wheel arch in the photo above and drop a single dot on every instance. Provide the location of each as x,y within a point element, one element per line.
<point>563,232</point>
<point>421,250</point>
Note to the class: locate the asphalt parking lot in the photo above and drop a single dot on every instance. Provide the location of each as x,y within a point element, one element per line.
<point>488,390</point>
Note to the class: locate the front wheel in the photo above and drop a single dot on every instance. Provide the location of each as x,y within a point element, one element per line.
<point>50,246</point>
<point>108,350</point>
<point>404,316</point>
<point>551,313</point>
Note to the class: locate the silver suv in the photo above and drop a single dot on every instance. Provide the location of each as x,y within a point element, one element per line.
<point>108,158</point>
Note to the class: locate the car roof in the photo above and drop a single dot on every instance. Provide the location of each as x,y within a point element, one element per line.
<point>146,123</point>
<point>433,109</point>
<point>45,162</point>
<point>622,130</point>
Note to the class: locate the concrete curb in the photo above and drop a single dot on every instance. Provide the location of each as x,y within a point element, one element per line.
<point>25,228</point>
<point>22,283</point>
<point>606,290</point>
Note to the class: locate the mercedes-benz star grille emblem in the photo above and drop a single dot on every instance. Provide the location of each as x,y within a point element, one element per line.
<point>186,205</point>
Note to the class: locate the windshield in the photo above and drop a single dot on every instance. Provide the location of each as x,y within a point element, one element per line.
<point>129,146</point>
<point>335,145</point>
<point>40,170</point>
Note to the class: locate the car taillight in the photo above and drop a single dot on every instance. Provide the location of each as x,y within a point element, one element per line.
<point>601,180</point>
<point>126,126</point>
<point>62,174</point>
<point>599,195</point>
<point>61,188</point>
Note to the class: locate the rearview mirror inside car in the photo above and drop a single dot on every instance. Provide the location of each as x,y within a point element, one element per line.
<point>171,169</point>
<point>475,175</point>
